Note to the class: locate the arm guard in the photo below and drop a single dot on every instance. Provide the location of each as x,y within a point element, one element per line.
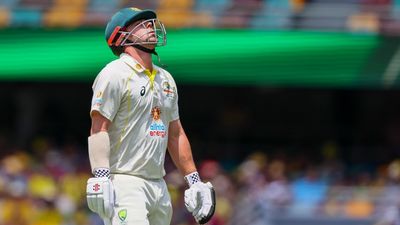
<point>99,150</point>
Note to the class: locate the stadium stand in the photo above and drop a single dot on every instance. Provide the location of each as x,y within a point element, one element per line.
<point>365,16</point>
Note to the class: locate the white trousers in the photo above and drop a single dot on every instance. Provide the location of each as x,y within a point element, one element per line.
<point>140,201</point>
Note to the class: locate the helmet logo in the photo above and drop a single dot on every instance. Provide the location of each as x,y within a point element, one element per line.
<point>135,9</point>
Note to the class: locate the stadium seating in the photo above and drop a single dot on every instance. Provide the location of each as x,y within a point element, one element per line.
<point>4,17</point>
<point>370,16</point>
<point>26,18</point>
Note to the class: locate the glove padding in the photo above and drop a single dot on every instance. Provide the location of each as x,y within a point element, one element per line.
<point>200,201</point>
<point>100,196</point>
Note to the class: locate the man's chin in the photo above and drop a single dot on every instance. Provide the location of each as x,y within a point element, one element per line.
<point>150,46</point>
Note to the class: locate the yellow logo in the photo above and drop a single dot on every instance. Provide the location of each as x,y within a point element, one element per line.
<point>99,94</point>
<point>135,9</point>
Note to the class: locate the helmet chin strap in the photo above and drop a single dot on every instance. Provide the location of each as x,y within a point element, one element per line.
<point>151,51</point>
<point>148,50</point>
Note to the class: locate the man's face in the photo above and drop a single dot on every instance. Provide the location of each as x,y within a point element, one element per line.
<point>142,31</point>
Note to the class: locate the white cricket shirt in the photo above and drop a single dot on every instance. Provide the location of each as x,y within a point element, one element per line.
<point>140,106</point>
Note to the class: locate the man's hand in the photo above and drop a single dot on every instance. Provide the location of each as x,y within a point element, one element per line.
<point>100,196</point>
<point>200,201</point>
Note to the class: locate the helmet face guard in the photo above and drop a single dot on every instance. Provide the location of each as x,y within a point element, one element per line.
<point>157,32</point>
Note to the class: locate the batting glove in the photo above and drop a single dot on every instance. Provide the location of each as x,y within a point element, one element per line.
<point>100,194</point>
<point>200,199</point>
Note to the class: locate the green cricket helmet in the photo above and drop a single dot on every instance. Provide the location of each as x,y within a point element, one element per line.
<point>118,36</point>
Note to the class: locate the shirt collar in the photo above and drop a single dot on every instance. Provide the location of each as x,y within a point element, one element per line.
<point>131,62</point>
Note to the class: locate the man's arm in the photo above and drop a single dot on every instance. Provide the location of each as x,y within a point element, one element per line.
<point>99,123</point>
<point>200,197</point>
<point>99,189</point>
<point>179,148</point>
<point>99,143</point>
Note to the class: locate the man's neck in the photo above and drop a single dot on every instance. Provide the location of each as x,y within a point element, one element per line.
<point>144,58</point>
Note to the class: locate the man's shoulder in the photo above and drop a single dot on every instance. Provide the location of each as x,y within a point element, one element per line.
<point>163,71</point>
<point>116,68</point>
<point>115,71</point>
<point>116,65</point>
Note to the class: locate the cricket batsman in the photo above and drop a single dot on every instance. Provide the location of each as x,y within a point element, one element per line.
<point>134,120</point>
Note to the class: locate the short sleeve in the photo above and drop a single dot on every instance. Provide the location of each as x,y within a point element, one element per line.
<point>107,94</point>
<point>174,113</point>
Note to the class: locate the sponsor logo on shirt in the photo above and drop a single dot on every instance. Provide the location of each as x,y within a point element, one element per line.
<point>157,128</point>
<point>142,91</point>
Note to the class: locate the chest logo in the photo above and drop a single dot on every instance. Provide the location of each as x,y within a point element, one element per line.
<point>98,101</point>
<point>168,90</point>
<point>155,113</point>
<point>157,127</point>
<point>142,91</point>
<point>122,214</point>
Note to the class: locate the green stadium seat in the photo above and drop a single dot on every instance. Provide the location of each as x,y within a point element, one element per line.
<point>275,14</point>
<point>26,18</point>
<point>213,6</point>
<point>101,5</point>
<point>141,4</point>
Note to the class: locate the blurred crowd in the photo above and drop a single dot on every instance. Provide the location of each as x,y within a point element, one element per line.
<point>365,16</point>
<point>46,186</point>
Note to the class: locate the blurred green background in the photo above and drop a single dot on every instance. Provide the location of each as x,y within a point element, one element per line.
<point>247,57</point>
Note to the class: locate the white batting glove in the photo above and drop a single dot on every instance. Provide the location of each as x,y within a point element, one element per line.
<point>200,199</point>
<point>100,196</point>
